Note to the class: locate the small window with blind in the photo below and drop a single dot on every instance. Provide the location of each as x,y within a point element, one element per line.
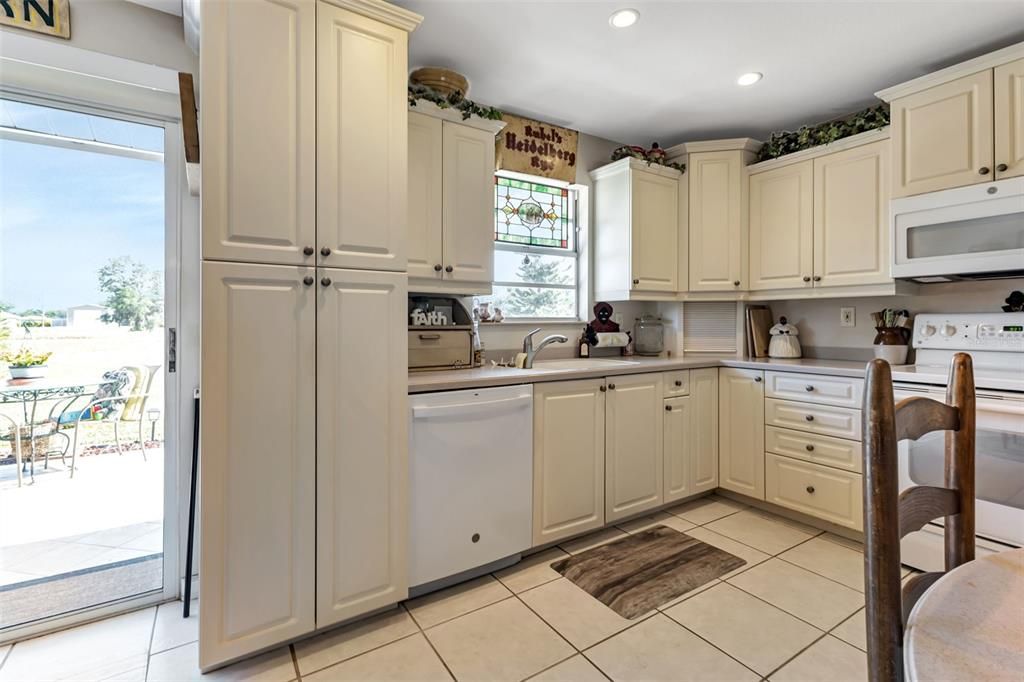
<point>536,260</point>
<point>709,327</point>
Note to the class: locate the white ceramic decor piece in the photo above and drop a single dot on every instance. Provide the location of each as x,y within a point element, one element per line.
<point>784,343</point>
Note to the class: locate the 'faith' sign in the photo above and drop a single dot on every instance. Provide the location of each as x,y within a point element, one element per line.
<point>52,17</point>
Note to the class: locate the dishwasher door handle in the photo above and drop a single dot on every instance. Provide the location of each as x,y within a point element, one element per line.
<point>462,409</point>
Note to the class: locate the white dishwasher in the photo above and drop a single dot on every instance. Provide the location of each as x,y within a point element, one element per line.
<point>471,479</point>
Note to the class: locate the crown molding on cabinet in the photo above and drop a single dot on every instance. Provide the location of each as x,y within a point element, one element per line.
<point>745,144</point>
<point>383,12</point>
<point>425,106</point>
<point>930,80</point>
<point>616,167</point>
<point>822,150</point>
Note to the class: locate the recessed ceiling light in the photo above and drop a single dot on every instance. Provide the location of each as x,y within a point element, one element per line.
<point>749,78</point>
<point>623,18</point>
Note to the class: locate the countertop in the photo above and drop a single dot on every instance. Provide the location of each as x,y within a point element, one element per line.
<point>447,380</point>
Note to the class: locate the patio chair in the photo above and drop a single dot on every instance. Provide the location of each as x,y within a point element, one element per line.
<point>127,405</point>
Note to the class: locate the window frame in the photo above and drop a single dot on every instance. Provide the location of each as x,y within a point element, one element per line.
<point>575,192</point>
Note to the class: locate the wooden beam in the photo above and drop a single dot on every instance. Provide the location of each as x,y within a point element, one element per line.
<point>189,118</point>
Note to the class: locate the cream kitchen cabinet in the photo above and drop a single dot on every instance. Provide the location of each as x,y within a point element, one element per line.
<point>717,234</point>
<point>781,227</point>
<point>258,483</point>
<point>361,147</point>
<point>741,431</point>
<point>259,152</point>
<point>568,458</point>
<point>1009,119</point>
<point>633,445</point>
<point>826,493</point>
<point>637,230</point>
<point>450,231</point>
<point>361,450</point>
<point>691,437</point>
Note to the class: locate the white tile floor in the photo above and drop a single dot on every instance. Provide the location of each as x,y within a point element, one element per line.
<point>793,612</point>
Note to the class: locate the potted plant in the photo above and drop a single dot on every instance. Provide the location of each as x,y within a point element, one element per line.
<point>25,364</point>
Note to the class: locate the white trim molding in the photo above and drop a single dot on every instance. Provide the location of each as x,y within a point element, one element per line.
<point>382,11</point>
<point>951,73</point>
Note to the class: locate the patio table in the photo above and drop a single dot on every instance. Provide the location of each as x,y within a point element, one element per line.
<point>30,392</point>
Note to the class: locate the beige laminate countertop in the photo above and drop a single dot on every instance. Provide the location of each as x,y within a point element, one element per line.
<point>447,380</point>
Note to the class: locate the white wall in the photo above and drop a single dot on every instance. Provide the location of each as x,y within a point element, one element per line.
<point>818,320</point>
<point>593,152</point>
<point>124,29</point>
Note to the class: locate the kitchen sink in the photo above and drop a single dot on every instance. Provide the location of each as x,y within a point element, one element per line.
<point>581,363</point>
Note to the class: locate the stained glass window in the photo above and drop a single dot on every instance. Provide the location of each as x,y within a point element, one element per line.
<point>533,214</point>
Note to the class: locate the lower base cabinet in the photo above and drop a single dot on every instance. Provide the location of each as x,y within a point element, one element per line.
<point>691,438</point>
<point>826,493</point>
<point>633,445</point>
<point>741,431</point>
<point>568,458</point>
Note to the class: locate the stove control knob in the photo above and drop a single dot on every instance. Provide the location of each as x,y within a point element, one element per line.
<point>928,330</point>
<point>947,330</point>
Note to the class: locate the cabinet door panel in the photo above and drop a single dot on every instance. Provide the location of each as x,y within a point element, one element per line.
<point>715,225</point>
<point>942,136</point>
<point>677,444</point>
<point>655,232</point>
<point>362,146</point>
<point>741,431</point>
<point>633,439</point>
<point>568,458</point>
<point>362,442</point>
<point>781,217</point>
<point>258,465</point>
<point>468,240</point>
<point>423,250</point>
<point>851,216</point>
<point>703,429</point>
<point>259,152</point>
<point>1009,133</point>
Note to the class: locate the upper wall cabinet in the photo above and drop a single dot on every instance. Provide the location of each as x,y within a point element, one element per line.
<point>259,152</point>
<point>959,126</point>
<point>361,141</point>
<point>820,221</point>
<point>718,241</point>
<point>450,233</point>
<point>637,232</point>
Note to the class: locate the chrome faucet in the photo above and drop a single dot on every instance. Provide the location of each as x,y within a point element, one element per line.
<point>531,352</point>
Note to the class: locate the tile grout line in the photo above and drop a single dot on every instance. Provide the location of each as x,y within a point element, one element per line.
<point>779,608</point>
<point>712,645</point>
<point>423,633</point>
<point>8,655</point>
<point>152,634</point>
<point>448,620</point>
<point>796,655</point>
<point>295,661</point>
<point>355,656</point>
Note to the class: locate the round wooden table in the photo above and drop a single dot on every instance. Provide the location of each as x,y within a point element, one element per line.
<point>969,625</point>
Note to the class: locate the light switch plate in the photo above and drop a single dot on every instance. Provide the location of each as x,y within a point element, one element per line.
<point>847,317</point>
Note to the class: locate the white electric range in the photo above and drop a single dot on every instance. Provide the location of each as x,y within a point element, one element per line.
<point>996,344</point>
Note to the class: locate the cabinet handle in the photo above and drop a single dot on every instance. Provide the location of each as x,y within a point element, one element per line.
<point>1002,168</point>
<point>308,250</point>
<point>817,278</point>
<point>736,283</point>
<point>430,337</point>
<point>325,282</point>
<point>611,387</point>
<point>757,380</point>
<point>437,267</point>
<point>325,251</point>
<point>809,417</point>
<point>668,408</point>
<point>810,489</point>
<point>635,282</point>
<point>806,278</point>
<point>808,388</point>
<point>603,389</point>
<point>678,382</point>
<point>449,269</point>
<point>809,447</point>
<point>983,170</point>
<point>308,280</point>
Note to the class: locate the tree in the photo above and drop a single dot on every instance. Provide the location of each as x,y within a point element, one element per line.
<point>31,312</point>
<point>6,307</point>
<point>134,295</point>
<point>56,314</point>
<point>532,302</point>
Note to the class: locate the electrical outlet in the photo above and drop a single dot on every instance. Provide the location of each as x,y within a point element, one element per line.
<point>847,317</point>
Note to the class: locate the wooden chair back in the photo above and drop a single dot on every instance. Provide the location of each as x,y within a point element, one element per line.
<point>890,515</point>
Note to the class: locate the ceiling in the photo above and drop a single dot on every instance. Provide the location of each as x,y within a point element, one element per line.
<point>672,76</point>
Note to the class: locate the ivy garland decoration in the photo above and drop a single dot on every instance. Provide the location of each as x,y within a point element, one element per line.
<point>456,101</point>
<point>787,142</point>
<point>653,155</point>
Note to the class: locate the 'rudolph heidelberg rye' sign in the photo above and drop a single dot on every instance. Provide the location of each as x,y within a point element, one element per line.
<point>535,148</point>
<point>52,17</point>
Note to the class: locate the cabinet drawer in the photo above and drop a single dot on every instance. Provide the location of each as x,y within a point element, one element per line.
<point>824,419</point>
<point>826,493</point>
<point>677,383</point>
<point>812,447</point>
<point>814,388</point>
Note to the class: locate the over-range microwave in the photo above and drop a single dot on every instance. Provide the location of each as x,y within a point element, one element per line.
<point>974,232</point>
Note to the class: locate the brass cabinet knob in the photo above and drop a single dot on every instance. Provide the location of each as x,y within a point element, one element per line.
<point>308,280</point>
<point>603,389</point>
<point>983,170</point>
<point>308,250</point>
<point>611,387</point>
<point>678,382</point>
<point>736,283</point>
<point>635,282</point>
<point>817,278</point>
<point>1002,168</point>
<point>757,380</point>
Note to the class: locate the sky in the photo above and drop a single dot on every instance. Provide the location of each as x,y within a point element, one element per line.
<point>64,213</point>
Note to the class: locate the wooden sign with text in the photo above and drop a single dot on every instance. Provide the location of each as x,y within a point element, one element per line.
<point>536,148</point>
<point>50,17</point>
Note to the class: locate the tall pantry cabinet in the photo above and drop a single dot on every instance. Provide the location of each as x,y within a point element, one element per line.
<point>303,436</point>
